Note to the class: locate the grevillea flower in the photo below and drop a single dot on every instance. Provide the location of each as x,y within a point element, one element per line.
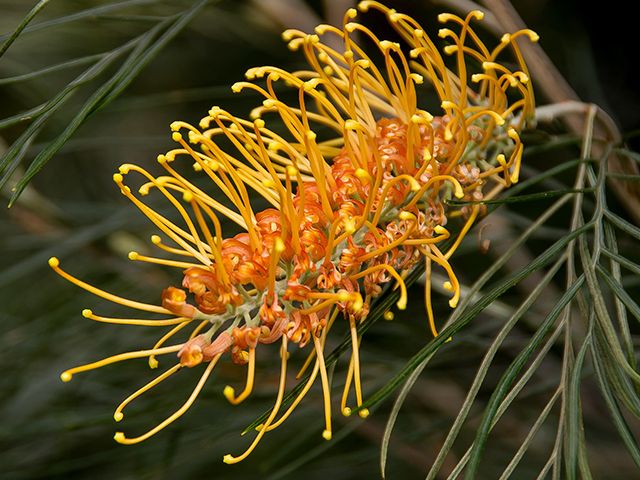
<point>358,188</point>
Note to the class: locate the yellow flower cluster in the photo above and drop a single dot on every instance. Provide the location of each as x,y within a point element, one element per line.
<point>357,187</point>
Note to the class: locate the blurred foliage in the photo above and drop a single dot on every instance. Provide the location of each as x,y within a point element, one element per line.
<point>91,85</point>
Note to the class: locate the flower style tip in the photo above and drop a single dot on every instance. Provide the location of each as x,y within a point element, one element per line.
<point>358,189</point>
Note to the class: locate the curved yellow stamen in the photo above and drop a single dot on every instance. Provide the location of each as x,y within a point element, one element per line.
<point>402,301</point>
<point>229,392</point>
<point>467,226</point>
<point>399,241</point>
<point>230,459</point>
<point>87,313</point>
<point>326,393</point>
<point>135,256</point>
<point>67,374</point>
<point>54,263</point>
<point>452,285</point>
<point>120,437</point>
<point>312,354</point>
<point>307,387</point>
<point>153,362</point>
<point>344,409</point>
<point>355,359</point>
<point>118,415</point>
<point>427,296</point>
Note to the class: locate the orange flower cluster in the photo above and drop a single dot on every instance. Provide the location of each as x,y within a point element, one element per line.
<point>352,210</point>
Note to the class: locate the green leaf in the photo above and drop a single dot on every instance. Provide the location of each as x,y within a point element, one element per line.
<point>23,24</point>
<point>509,377</point>
<point>470,314</point>
<point>142,54</point>
<point>16,152</point>
<point>625,432</point>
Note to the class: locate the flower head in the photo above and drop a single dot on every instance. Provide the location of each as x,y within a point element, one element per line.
<point>358,188</point>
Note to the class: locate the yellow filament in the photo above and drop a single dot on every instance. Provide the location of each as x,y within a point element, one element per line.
<point>153,363</point>
<point>318,165</point>
<point>379,251</point>
<point>54,263</point>
<point>298,399</point>
<point>427,296</point>
<point>443,234</point>
<point>355,355</point>
<point>67,374</point>
<point>118,415</point>
<point>514,160</point>
<point>135,321</point>
<point>453,284</point>
<point>203,197</point>
<point>278,248</point>
<point>344,409</point>
<point>238,194</point>
<point>312,378</point>
<point>119,436</point>
<point>332,299</point>
<point>230,459</point>
<point>463,231</point>
<point>157,241</point>
<point>214,243</point>
<point>458,191</point>
<point>124,169</point>
<point>306,364</point>
<point>399,96</point>
<point>402,302</point>
<point>253,177</point>
<point>174,232</point>
<point>415,186</point>
<point>331,241</point>
<point>135,256</point>
<point>326,394</point>
<point>229,392</point>
<point>312,354</point>
<point>291,210</point>
<point>445,17</point>
<point>199,328</point>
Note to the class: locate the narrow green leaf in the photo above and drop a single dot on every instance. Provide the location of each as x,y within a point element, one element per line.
<point>22,116</point>
<point>515,391</point>
<point>485,366</point>
<point>574,410</point>
<point>622,224</point>
<point>620,292</point>
<point>522,198</point>
<point>76,62</point>
<point>624,176</point>
<point>15,153</point>
<point>470,314</point>
<point>139,58</point>
<point>509,376</point>
<point>625,262</point>
<point>616,415</point>
<point>602,315</point>
<point>540,177</point>
<point>393,415</point>
<point>134,70</point>
<point>23,24</point>
<point>617,377</point>
<point>611,245</point>
<point>88,13</point>
<point>508,471</point>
